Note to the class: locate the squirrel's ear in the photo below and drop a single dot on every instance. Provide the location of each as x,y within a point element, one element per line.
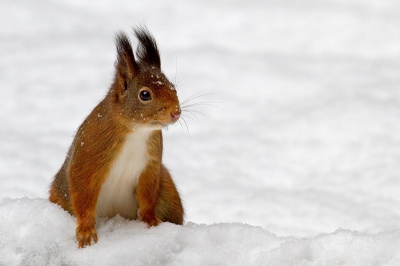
<point>126,66</point>
<point>147,50</point>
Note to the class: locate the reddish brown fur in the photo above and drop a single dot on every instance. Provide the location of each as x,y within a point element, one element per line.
<point>101,136</point>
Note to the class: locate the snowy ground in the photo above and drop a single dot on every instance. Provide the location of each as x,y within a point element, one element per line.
<point>297,164</point>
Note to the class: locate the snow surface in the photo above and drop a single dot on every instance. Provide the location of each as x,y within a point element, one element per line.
<point>296,160</point>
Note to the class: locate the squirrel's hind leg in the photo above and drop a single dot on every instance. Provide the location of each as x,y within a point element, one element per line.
<point>169,206</point>
<point>59,192</point>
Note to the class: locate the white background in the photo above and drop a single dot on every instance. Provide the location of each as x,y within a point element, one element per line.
<point>297,128</point>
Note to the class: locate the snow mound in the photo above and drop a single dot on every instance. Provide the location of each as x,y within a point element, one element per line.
<point>37,232</point>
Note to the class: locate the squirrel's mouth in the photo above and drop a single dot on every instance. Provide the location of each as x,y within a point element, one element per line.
<point>164,122</point>
<point>158,124</point>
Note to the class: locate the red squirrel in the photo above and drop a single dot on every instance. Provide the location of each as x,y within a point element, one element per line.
<point>114,165</point>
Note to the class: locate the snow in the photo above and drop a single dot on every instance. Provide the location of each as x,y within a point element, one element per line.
<point>46,238</point>
<point>293,157</point>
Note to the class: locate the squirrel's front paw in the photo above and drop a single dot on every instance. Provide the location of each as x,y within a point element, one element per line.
<point>151,220</point>
<point>84,235</point>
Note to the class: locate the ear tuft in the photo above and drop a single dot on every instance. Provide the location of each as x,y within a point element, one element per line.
<point>147,50</point>
<point>126,65</point>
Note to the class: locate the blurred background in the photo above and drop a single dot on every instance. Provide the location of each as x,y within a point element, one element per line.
<point>296,104</point>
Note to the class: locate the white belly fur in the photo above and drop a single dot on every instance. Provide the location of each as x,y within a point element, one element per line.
<point>117,193</point>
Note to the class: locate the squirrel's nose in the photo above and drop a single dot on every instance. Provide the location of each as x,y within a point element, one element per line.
<point>175,114</point>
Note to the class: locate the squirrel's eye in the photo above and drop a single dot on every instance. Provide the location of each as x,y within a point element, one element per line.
<point>145,95</point>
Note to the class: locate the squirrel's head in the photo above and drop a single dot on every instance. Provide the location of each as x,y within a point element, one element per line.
<point>141,94</point>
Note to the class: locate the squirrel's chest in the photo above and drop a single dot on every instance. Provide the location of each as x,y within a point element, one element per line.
<point>117,193</point>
